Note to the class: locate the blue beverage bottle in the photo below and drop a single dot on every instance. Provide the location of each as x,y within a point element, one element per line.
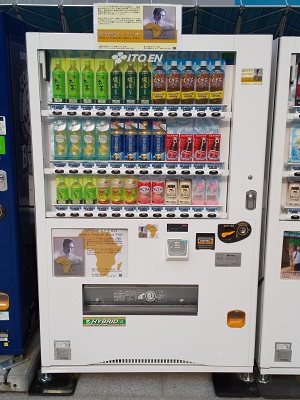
<point>144,142</point>
<point>117,140</point>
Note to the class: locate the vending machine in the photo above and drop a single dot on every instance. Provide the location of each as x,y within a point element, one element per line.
<point>149,177</point>
<point>18,271</point>
<point>278,349</point>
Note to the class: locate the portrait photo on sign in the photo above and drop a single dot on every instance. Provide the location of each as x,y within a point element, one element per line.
<point>290,260</point>
<point>159,22</point>
<point>68,256</point>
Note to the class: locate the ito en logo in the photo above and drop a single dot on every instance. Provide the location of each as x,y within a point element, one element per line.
<point>120,56</point>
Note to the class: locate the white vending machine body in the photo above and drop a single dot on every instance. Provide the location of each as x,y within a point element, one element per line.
<point>278,348</point>
<point>168,286</point>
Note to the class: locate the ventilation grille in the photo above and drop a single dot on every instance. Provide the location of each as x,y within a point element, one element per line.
<point>152,361</point>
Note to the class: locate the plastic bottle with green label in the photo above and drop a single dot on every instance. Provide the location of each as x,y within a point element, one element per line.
<point>102,83</point>
<point>130,84</point>
<point>90,192</point>
<point>89,142</point>
<point>62,191</point>
<point>58,83</point>
<point>87,82</point>
<point>145,84</point>
<point>116,84</point>
<point>73,83</point>
<point>76,191</point>
<point>60,140</point>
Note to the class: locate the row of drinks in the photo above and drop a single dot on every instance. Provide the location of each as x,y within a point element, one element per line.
<point>93,139</point>
<point>172,82</point>
<point>130,190</point>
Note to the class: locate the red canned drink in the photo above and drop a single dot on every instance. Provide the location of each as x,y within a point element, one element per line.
<point>144,191</point>
<point>158,192</point>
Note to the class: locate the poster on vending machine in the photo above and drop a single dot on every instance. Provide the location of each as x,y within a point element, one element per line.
<point>137,26</point>
<point>290,260</point>
<point>90,252</point>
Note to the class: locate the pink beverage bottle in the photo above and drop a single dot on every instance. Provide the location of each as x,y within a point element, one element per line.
<point>212,192</point>
<point>158,191</point>
<point>144,191</point>
<point>198,191</point>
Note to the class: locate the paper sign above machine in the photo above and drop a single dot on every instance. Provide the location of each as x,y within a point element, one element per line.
<point>137,26</point>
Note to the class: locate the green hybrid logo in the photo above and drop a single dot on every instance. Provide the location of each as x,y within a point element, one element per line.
<point>107,321</point>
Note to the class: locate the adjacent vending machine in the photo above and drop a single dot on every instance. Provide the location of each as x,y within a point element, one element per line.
<point>278,349</point>
<point>18,272</point>
<point>149,170</point>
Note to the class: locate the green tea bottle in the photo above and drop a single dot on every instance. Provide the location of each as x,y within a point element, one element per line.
<point>145,84</point>
<point>116,84</point>
<point>102,83</point>
<point>90,192</point>
<point>62,191</point>
<point>87,82</point>
<point>58,83</point>
<point>73,83</point>
<point>76,192</point>
<point>130,84</point>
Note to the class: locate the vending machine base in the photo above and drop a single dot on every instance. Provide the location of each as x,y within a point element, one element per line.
<point>53,385</point>
<point>235,385</point>
<point>278,386</point>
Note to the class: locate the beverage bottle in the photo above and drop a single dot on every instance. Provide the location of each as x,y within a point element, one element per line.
<point>297,100</point>
<point>173,79</point>
<point>103,140</point>
<point>145,84</point>
<point>172,151</point>
<point>58,83</point>
<point>75,140</point>
<point>90,192</point>
<point>144,191</point>
<point>144,141</point>
<point>117,141</point>
<point>102,83</point>
<point>212,192</point>
<point>60,141</point>
<point>116,84</point>
<point>159,141</point>
<point>73,83</point>
<point>188,84</point>
<point>202,84</point>
<point>130,84</point>
<point>187,151</point>
<point>103,185</point>
<point>158,191</point>
<point>87,82</point>
<point>159,84</point>
<point>62,191</point>
<point>117,190</point>
<point>130,141</point>
<point>130,190</point>
<point>89,142</point>
<point>214,152</point>
<point>200,152</point>
<point>216,87</point>
<point>76,191</point>
<point>198,191</point>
